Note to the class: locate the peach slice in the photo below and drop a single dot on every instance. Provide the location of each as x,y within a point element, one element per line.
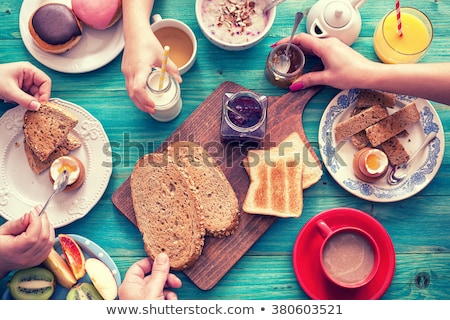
<point>74,256</point>
<point>102,278</point>
<point>56,264</point>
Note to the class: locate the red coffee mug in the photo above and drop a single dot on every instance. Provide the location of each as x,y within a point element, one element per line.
<point>349,256</point>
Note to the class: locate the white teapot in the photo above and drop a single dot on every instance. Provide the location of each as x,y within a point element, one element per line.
<point>335,18</point>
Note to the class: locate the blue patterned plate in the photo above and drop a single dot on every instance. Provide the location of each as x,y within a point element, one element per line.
<point>338,157</point>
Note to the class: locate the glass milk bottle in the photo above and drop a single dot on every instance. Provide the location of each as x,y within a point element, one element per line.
<point>167,97</point>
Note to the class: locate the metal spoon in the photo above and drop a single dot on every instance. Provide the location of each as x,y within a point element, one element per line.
<point>59,185</point>
<point>398,173</point>
<point>284,63</point>
<point>271,5</point>
<point>236,112</point>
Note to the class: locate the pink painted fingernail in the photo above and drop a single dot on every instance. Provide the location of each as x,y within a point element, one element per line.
<point>296,86</point>
<point>34,105</point>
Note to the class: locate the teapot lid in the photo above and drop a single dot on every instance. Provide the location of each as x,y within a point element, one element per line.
<point>337,14</point>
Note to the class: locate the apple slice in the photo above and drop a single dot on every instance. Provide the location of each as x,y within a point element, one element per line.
<point>56,264</point>
<point>74,256</point>
<point>102,278</point>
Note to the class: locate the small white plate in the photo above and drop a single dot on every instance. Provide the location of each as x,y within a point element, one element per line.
<point>338,157</point>
<point>90,250</point>
<point>21,189</point>
<point>95,49</point>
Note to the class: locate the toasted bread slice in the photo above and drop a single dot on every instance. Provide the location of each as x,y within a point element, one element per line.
<point>358,122</point>
<point>275,187</point>
<point>292,144</point>
<point>276,177</point>
<point>215,192</point>
<point>368,98</point>
<point>69,144</point>
<point>393,124</point>
<point>168,211</point>
<point>47,128</point>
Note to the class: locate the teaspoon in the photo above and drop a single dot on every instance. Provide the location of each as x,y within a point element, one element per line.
<point>59,185</point>
<point>285,62</point>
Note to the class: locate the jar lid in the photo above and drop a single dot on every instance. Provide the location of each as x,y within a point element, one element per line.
<point>337,14</point>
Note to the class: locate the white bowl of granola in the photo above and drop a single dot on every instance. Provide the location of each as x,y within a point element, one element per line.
<point>234,24</point>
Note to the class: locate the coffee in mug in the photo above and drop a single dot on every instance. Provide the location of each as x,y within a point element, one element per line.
<point>349,256</point>
<point>180,38</point>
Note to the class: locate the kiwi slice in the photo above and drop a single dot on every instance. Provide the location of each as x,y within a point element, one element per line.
<point>83,291</point>
<point>32,284</point>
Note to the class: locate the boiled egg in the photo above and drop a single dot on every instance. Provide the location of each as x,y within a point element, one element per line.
<point>370,163</point>
<point>65,163</point>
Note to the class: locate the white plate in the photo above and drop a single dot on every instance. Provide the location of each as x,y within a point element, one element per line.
<point>95,49</point>
<point>338,157</point>
<point>21,189</point>
<point>90,250</point>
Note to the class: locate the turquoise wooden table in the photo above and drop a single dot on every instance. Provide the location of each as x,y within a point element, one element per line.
<point>418,226</point>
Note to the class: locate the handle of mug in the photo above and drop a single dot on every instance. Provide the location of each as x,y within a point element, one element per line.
<point>324,229</point>
<point>156,17</point>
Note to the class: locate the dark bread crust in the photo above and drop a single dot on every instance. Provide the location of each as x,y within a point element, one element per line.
<point>55,28</point>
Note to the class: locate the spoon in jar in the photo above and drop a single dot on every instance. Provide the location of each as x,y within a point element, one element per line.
<point>398,173</point>
<point>59,185</point>
<point>284,63</point>
<point>239,114</point>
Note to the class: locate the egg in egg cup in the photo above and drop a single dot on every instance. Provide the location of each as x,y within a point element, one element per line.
<point>370,164</point>
<point>74,166</point>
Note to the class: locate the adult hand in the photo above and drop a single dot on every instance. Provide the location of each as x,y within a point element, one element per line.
<point>25,242</point>
<point>139,56</point>
<point>343,66</point>
<point>24,84</point>
<point>137,285</point>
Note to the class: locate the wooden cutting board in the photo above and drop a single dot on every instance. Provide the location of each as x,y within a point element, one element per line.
<point>203,126</point>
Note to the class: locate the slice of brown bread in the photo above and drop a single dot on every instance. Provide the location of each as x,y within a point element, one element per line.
<point>393,124</point>
<point>168,211</point>
<point>47,128</point>
<point>359,140</point>
<point>221,206</point>
<point>348,127</point>
<point>368,98</point>
<point>395,151</point>
<point>69,144</point>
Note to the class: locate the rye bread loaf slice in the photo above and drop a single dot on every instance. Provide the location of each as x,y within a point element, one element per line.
<point>47,128</point>
<point>393,124</point>
<point>217,196</point>
<point>358,122</point>
<point>168,211</point>
<point>69,144</point>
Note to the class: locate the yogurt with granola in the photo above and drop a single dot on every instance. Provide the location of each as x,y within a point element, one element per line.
<point>234,21</point>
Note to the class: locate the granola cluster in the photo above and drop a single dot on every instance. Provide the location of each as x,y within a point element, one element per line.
<point>235,14</point>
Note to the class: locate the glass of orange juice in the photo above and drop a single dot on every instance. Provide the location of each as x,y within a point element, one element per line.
<point>410,47</point>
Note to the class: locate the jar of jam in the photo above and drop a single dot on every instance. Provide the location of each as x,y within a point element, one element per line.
<point>274,72</point>
<point>244,117</point>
